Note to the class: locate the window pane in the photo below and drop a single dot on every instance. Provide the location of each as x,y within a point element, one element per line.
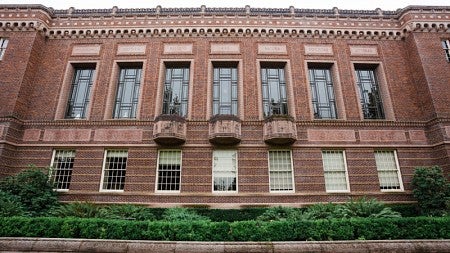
<point>80,93</point>
<point>225,97</point>
<point>176,90</point>
<point>127,96</point>
<point>224,170</point>
<point>445,46</point>
<point>323,101</point>
<point>61,169</point>
<point>388,172</point>
<point>371,103</point>
<point>3,45</point>
<point>334,171</point>
<point>169,170</point>
<point>280,170</point>
<point>115,170</point>
<point>274,91</point>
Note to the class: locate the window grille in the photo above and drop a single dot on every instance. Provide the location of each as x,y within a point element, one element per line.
<point>370,97</point>
<point>127,96</point>
<point>169,170</point>
<point>61,169</point>
<point>225,91</point>
<point>445,46</point>
<point>322,93</point>
<point>224,170</point>
<point>176,91</point>
<point>388,171</point>
<point>280,170</point>
<point>3,45</point>
<point>335,171</point>
<point>114,170</point>
<point>274,91</point>
<point>80,93</point>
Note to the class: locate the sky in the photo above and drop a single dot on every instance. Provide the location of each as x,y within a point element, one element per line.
<point>312,4</point>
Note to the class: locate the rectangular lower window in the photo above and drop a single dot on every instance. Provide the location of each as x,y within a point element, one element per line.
<point>169,170</point>
<point>280,171</point>
<point>322,93</point>
<point>114,170</point>
<point>369,91</point>
<point>3,45</point>
<point>335,171</point>
<point>80,92</point>
<point>127,96</point>
<point>388,171</point>
<point>445,46</point>
<point>224,170</point>
<point>61,169</point>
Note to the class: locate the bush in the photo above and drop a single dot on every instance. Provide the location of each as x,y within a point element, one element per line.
<point>432,191</point>
<point>365,208</point>
<point>286,230</point>
<point>33,190</point>
<point>231,214</point>
<point>128,212</point>
<point>10,205</point>
<point>183,214</point>
<point>321,211</point>
<point>79,210</point>
<point>281,213</point>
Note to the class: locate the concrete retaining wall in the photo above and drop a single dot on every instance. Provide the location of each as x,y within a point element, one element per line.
<point>88,245</point>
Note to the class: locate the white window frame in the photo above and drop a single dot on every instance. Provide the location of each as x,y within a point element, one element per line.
<point>225,171</point>
<point>53,170</point>
<point>104,166</point>
<point>3,45</point>
<point>291,171</point>
<point>157,171</point>
<point>397,169</point>
<point>446,47</point>
<point>345,168</point>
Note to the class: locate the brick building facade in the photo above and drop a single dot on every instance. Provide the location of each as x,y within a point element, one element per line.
<point>225,107</point>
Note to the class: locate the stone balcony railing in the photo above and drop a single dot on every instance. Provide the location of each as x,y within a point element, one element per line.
<point>169,130</point>
<point>225,130</point>
<point>280,130</point>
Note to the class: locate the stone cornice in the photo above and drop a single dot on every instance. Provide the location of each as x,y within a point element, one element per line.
<point>224,22</point>
<point>246,11</point>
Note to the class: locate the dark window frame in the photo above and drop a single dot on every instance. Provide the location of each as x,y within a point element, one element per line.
<point>82,76</point>
<point>446,48</point>
<point>369,92</point>
<point>327,107</point>
<point>274,89</point>
<point>125,92</point>
<point>176,99</point>
<point>225,92</point>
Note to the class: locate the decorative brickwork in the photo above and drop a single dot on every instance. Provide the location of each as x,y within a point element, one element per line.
<point>400,52</point>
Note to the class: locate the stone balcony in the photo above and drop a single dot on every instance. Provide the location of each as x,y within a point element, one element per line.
<point>169,130</point>
<point>225,130</point>
<point>280,130</point>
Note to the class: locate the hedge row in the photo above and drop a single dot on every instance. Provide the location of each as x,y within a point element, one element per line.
<point>345,229</point>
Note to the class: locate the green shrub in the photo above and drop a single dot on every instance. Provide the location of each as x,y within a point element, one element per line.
<point>405,210</point>
<point>432,190</point>
<point>183,214</point>
<point>10,205</point>
<point>363,207</point>
<point>321,211</point>
<point>231,214</point>
<point>128,212</point>
<point>33,190</point>
<point>281,213</point>
<point>286,230</point>
<point>78,209</point>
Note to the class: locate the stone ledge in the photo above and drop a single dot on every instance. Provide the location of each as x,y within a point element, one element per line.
<point>17,244</point>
